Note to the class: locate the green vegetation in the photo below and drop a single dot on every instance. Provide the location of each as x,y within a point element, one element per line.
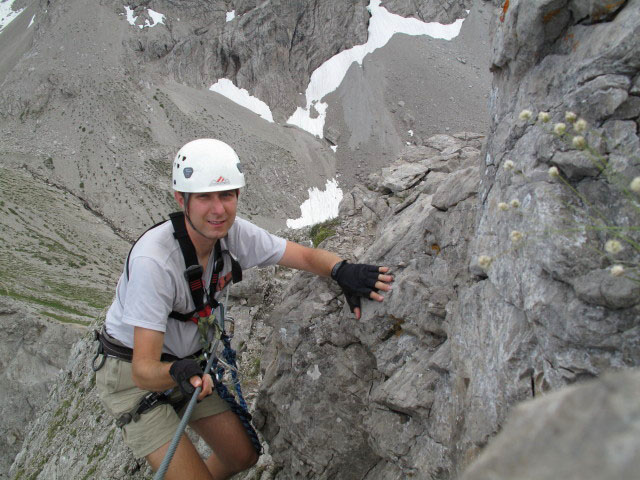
<point>59,418</point>
<point>322,231</point>
<point>97,454</point>
<point>64,319</point>
<point>254,367</point>
<point>44,302</point>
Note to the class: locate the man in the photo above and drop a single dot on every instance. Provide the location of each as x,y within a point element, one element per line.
<point>207,178</point>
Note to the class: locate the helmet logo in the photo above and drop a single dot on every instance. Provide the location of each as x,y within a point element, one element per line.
<point>188,172</point>
<point>222,180</point>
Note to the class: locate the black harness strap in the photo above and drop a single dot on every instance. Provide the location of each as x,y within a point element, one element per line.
<point>194,271</point>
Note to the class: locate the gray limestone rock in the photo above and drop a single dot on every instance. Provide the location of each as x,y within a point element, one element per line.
<point>457,187</point>
<point>406,416</point>
<point>601,288</point>
<point>587,431</point>
<point>429,11</point>
<point>600,98</point>
<point>442,142</point>
<point>575,165</point>
<point>402,177</point>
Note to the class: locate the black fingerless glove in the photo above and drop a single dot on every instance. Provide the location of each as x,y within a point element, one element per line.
<point>356,280</point>
<point>181,371</point>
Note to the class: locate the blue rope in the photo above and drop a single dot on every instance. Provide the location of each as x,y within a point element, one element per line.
<point>238,407</point>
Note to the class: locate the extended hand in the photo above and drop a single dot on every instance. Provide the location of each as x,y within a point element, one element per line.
<point>361,280</point>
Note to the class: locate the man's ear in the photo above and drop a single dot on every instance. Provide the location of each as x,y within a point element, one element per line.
<point>179,198</point>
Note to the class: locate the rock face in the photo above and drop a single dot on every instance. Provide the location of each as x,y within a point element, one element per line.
<point>72,436</point>
<point>588,431</point>
<point>372,399</point>
<point>269,48</point>
<point>429,11</point>
<point>32,354</point>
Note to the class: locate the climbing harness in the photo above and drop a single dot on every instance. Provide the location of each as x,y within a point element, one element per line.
<point>111,347</point>
<point>212,332</point>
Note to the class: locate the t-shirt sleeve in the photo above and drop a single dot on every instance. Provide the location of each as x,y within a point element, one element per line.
<point>150,293</point>
<point>254,246</point>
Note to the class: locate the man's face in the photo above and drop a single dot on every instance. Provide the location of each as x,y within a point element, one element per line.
<point>212,213</point>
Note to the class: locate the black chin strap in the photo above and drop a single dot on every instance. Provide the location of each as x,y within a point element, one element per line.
<point>186,215</point>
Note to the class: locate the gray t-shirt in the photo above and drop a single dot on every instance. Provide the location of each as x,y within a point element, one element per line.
<point>156,283</point>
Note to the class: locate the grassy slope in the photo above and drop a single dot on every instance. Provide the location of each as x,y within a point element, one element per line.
<point>57,259</point>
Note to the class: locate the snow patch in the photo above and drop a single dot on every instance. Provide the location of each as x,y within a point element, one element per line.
<point>31,22</point>
<point>314,373</point>
<point>334,147</point>
<point>7,14</point>
<point>328,76</point>
<point>231,15</point>
<point>242,97</point>
<point>156,18</point>
<point>321,206</point>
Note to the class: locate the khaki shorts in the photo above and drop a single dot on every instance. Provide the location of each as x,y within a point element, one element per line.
<point>155,427</point>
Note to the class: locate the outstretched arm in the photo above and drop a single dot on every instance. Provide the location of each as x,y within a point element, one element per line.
<point>314,260</point>
<point>321,262</point>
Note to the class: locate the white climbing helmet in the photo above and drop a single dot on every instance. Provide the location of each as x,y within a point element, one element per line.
<point>207,165</point>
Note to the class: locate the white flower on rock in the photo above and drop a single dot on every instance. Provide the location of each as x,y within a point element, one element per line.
<point>613,247</point>
<point>525,114</point>
<point>580,126</point>
<point>570,117</point>
<point>579,142</point>
<point>515,203</point>
<point>559,128</point>
<point>635,185</point>
<point>508,165</point>
<point>516,236</point>
<point>617,270</point>
<point>544,117</point>
<point>503,206</point>
<point>554,172</point>
<point>484,261</point>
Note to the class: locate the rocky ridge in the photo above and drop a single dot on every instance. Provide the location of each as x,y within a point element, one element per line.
<point>378,411</point>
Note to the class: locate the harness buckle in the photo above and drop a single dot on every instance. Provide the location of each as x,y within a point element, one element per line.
<point>193,272</point>
<point>123,420</point>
